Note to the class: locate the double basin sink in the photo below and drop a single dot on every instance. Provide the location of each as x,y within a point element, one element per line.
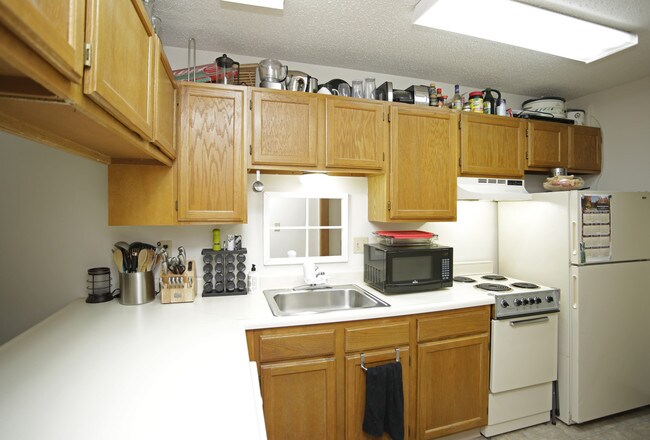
<point>289,302</point>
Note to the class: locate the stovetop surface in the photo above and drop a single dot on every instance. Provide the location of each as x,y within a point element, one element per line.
<point>513,297</point>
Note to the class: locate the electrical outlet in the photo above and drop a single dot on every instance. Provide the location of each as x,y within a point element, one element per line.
<point>358,243</point>
<point>167,244</point>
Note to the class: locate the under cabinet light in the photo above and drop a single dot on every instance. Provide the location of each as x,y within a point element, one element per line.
<point>274,4</point>
<point>518,24</point>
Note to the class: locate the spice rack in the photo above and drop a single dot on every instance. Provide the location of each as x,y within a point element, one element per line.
<point>224,272</point>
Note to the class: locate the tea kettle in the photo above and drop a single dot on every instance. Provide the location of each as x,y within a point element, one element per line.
<point>489,102</point>
<point>227,70</point>
<point>272,74</point>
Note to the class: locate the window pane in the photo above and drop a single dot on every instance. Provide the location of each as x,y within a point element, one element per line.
<point>283,241</point>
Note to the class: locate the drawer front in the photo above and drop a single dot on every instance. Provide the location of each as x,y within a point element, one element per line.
<point>298,345</point>
<point>390,334</point>
<point>452,324</point>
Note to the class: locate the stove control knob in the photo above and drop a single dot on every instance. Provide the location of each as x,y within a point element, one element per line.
<point>504,303</point>
<point>549,299</point>
<point>531,300</point>
<point>538,300</point>
<point>517,302</point>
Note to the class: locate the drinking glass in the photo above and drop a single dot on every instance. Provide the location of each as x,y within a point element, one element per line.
<point>369,88</point>
<point>357,88</point>
<point>344,89</point>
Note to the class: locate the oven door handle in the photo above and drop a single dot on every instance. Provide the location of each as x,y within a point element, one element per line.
<point>529,321</point>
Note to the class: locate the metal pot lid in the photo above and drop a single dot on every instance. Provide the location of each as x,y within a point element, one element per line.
<point>225,62</point>
<point>542,99</point>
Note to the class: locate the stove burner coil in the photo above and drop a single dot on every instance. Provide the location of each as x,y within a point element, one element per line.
<point>464,280</point>
<point>494,277</point>
<point>523,285</point>
<point>493,287</point>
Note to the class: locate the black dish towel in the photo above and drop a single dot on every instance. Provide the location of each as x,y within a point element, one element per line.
<point>384,401</point>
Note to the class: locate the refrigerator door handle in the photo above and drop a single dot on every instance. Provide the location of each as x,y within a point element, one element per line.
<point>574,237</point>
<point>574,291</point>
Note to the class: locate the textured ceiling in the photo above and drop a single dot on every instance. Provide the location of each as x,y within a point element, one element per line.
<point>379,36</point>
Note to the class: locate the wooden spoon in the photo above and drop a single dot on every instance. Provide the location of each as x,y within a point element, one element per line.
<point>151,259</point>
<point>118,259</point>
<point>143,258</point>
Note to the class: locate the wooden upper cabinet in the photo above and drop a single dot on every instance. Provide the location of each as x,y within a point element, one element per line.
<point>548,145</point>
<point>164,122</point>
<point>285,129</point>
<point>421,181</point>
<point>121,73</point>
<point>492,146</point>
<point>52,28</point>
<point>584,149</point>
<point>211,169</point>
<point>356,133</point>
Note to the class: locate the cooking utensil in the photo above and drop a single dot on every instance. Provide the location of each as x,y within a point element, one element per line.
<point>126,261</point>
<point>258,186</point>
<point>143,258</point>
<point>118,259</point>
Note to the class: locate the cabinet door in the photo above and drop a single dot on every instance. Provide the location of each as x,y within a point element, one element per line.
<point>422,164</point>
<point>355,390</point>
<point>452,386</point>
<point>285,127</point>
<point>548,145</point>
<point>121,73</point>
<point>211,172</point>
<point>164,104</point>
<point>356,134</point>
<point>300,399</point>
<point>584,149</point>
<point>52,28</point>
<point>492,146</point>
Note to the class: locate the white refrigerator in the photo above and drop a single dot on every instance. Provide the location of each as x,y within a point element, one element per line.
<point>595,247</point>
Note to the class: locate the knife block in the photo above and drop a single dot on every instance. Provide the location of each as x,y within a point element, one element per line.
<point>179,288</point>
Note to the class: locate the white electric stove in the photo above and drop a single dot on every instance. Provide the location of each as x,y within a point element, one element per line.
<point>524,350</point>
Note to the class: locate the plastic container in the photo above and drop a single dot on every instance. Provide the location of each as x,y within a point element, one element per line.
<point>476,101</point>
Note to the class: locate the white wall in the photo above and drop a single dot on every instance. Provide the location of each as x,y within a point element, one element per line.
<point>53,228</point>
<point>623,113</point>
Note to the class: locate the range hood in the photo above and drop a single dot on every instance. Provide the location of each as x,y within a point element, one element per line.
<point>492,189</point>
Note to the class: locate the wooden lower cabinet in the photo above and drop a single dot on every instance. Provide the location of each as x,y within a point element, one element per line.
<point>458,370</point>
<point>313,386</point>
<point>355,390</point>
<point>300,399</point>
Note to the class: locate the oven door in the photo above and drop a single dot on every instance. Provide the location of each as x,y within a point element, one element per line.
<point>524,352</point>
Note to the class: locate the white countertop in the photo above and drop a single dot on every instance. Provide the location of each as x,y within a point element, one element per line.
<point>163,371</point>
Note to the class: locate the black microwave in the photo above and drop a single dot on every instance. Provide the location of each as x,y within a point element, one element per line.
<point>404,269</point>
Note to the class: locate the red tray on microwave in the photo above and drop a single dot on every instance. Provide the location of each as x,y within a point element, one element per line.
<point>401,238</point>
<point>405,234</point>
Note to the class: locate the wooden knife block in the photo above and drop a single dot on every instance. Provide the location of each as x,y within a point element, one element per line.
<point>179,288</point>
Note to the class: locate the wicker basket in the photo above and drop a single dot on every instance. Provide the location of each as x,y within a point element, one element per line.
<point>247,74</point>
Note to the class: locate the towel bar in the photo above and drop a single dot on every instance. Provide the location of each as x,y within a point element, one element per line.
<point>363,359</point>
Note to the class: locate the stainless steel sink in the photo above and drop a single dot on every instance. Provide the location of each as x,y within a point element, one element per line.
<point>287,302</point>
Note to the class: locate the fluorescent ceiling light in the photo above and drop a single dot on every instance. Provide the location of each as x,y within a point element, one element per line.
<point>517,24</point>
<point>274,4</point>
